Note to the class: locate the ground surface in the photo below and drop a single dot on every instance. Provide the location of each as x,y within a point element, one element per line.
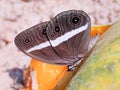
<point>18,15</point>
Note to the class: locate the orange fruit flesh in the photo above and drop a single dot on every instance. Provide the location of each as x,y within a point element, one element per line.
<point>99,29</point>
<point>48,75</point>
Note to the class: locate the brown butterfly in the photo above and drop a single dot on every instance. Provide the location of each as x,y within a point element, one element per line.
<point>64,40</point>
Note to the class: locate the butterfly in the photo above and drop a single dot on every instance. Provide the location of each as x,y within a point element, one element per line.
<point>64,40</point>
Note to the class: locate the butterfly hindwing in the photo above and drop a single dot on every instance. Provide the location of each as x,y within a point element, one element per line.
<point>34,43</point>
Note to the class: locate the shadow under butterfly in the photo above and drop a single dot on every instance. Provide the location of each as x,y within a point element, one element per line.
<point>64,40</point>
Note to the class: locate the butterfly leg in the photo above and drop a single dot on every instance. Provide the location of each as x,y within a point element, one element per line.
<point>73,66</point>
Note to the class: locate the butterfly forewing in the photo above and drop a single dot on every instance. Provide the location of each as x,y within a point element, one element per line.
<point>72,39</point>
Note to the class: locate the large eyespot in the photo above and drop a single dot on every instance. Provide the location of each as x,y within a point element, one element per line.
<point>75,20</point>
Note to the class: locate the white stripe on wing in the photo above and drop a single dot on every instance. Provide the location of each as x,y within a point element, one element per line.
<point>59,40</point>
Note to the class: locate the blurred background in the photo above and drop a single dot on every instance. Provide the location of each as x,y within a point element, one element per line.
<point>18,15</point>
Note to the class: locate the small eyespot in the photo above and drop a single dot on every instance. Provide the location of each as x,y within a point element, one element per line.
<point>27,41</point>
<point>57,29</point>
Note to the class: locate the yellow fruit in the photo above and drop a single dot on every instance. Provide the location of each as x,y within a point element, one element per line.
<point>101,71</point>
